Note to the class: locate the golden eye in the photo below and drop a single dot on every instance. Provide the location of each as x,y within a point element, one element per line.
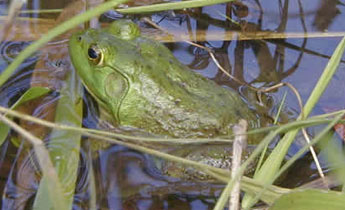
<point>95,55</point>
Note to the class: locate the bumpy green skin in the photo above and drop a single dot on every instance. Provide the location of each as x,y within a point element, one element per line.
<point>142,85</point>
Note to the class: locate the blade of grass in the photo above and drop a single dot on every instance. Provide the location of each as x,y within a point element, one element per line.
<point>273,162</point>
<point>316,120</point>
<point>41,11</point>
<point>222,200</point>
<point>225,194</point>
<point>275,122</point>
<point>247,184</point>
<point>310,200</point>
<point>64,146</point>
<point>60,29</point>
<point>321,136</point>
<point>282,103</point>
<point>171,6</point>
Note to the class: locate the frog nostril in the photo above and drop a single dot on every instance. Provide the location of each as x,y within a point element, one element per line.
<point>79,38</point>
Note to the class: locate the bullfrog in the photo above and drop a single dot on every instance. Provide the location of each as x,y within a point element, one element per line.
<point>140,84</point>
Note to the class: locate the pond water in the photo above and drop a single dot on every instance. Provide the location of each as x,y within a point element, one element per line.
<point>127,179</point>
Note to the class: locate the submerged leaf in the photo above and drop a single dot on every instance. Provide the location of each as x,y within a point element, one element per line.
<point>310,200</point>
<point>32,93</point>
<point>64,148</point>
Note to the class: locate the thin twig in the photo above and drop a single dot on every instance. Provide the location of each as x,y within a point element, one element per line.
<point>240,144</point>
<point>173,141</point>
<point>304,132</point>
<point>316,160</point>
<point>229,75</point>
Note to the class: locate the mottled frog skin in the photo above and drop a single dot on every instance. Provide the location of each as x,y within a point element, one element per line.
<point>142,85</point>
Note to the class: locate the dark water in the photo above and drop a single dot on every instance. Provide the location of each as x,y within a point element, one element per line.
<point>126,179</point>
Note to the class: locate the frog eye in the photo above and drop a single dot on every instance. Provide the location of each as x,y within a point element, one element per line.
<point>95,55</point>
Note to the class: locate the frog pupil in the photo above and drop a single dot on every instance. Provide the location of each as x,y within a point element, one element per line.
<point>93,54</point>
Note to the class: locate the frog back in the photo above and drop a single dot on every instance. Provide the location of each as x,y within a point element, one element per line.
<point>168,98</point>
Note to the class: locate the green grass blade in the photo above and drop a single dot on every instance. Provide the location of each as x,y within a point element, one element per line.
<point>282,103</point>
<point>312,121</point>
<point>276,118</point>
<point>225,194</point>
<point>40,11</point>
<point>171,6</point>
<point>323,135</point>
<point>31,93</point>
<point>310,200</point>
<point>64,147</point>
<point>248,185</point>
<point>60,29</point>
<point>273,162</point>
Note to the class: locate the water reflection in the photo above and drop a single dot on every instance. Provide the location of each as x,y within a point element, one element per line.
<point>22,181</point>
<point>24,178</point>
<point>12,89</point>
<point>326,14</point>
<point>272,68</point>
<point>130,180</point>
<point>10,50</point>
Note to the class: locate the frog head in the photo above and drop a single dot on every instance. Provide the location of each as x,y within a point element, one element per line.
<point>105,61</point>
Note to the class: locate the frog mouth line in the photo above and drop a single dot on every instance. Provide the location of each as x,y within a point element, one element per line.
<point>120,99</point>
<point>99,100</point>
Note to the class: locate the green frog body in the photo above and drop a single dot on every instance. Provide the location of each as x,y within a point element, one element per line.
<point>141,85</point>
